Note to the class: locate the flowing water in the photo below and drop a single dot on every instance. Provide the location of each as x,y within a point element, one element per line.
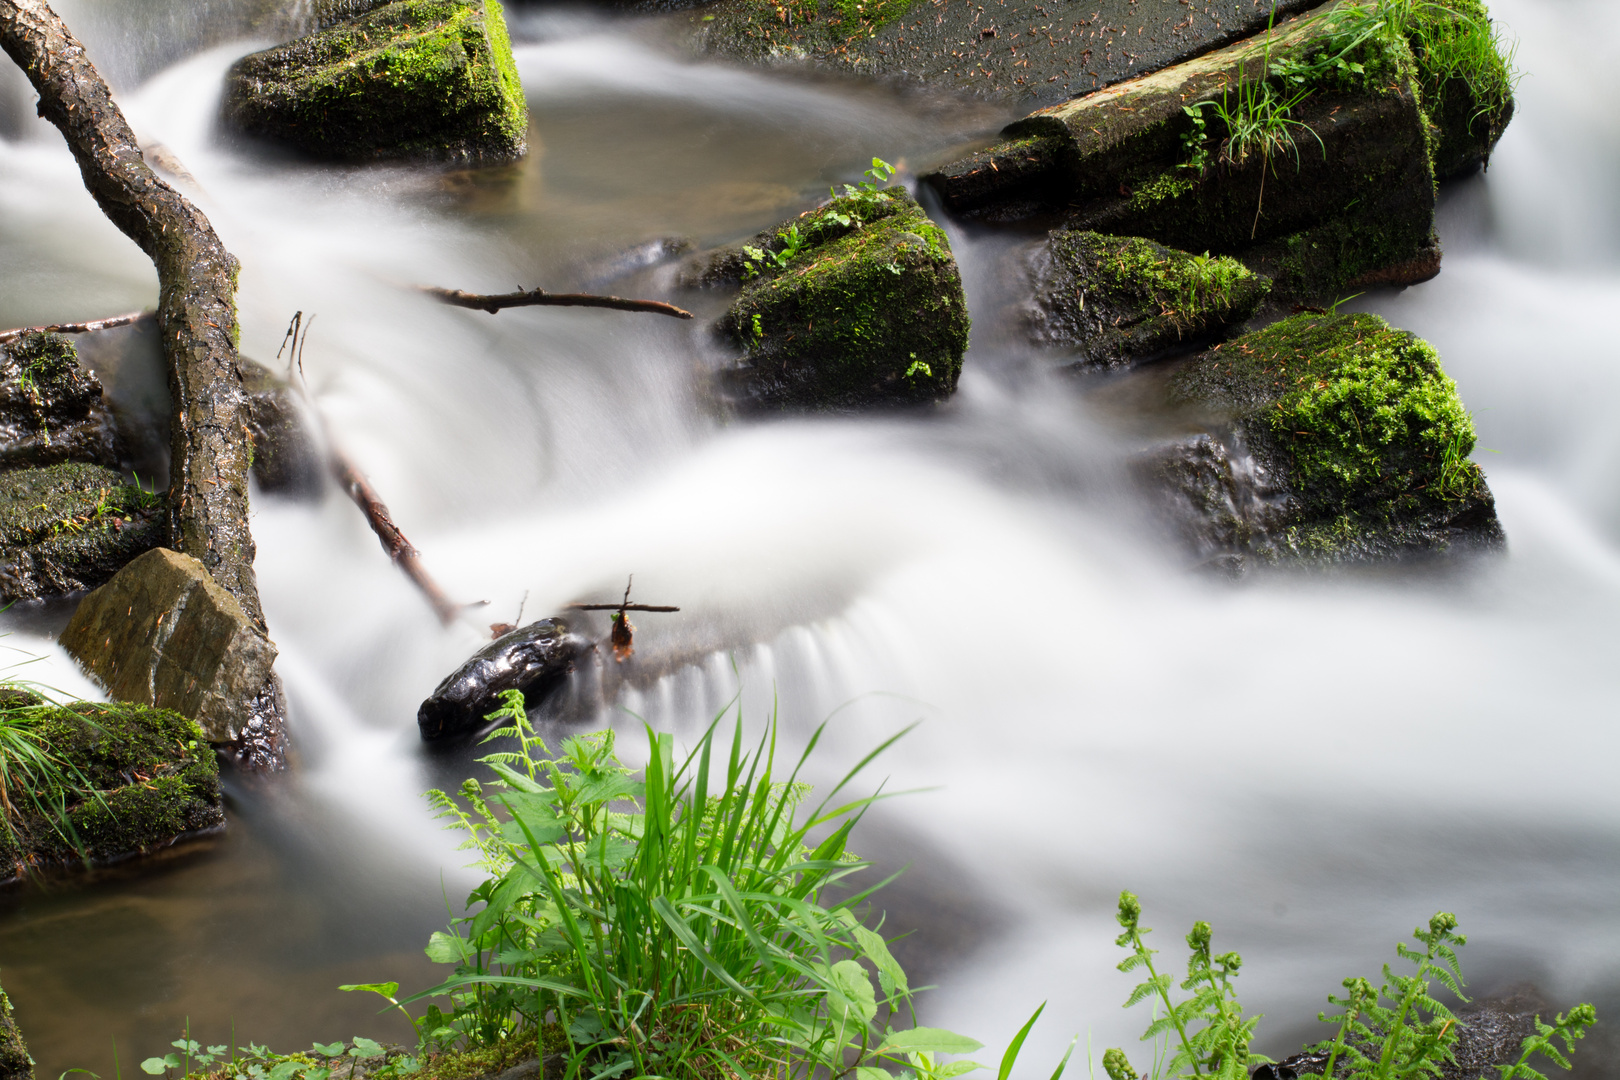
<point>1314,765</point>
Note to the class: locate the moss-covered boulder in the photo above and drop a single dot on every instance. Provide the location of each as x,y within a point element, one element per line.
<point>852,305</point>
<point>1117,301</point>
<point>51,408</point>
<point>1466,79</point>
<point>69,527</point>
<point>15,1063</point>
<point>1310,152</point>
<point>153,774</point>
<point>1327,439</point>
<point>413,79</point>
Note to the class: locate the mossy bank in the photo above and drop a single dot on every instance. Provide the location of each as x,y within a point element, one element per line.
<point>414,79</point>
<point>1327,439</point>
<point>69,527</point>
<point>154,778</point>
<point>853,305</point>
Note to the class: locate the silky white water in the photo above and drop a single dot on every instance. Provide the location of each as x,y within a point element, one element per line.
<point>1314,766</point>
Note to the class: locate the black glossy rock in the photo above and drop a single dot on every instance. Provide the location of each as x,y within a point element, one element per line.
<point>51,408</point>
<point>533,659</point>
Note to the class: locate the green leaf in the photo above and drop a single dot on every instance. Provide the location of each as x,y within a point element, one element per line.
<point>329,1050</point>
<point>283,1070</point>
<point>869,1072</point>
<point>365,1048</point>
<point>154,1065</point>
<point>387,990</point>
<point>890,973</point>
<point>848,980</point>
<point>443,948</point>
<point>1011,1056</point>
<point>927,1040</point>
<point>956,1068</point>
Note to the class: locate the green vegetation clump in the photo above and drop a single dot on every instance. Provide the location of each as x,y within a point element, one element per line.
<point>71,526</point>
<point>429,79</point>
<point>766,28</point>
<point>857,303</point>
<point>100,781</point>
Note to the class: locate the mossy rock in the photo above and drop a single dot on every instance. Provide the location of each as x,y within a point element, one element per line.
<point>15,1063</point>
<point>1467,83</point>
<point>1329,439</point>
<point>69,527</point>
<point>414,79</point>
<point>868,311</point>
<point>51,408</point>
<point>154,771</point>
<point>1119,301</point>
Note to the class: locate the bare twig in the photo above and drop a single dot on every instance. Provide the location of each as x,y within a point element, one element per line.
<point>539,297</point>
<point>620,607</point>
<point>76,327</point>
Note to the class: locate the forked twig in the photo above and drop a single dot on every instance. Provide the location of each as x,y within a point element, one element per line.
<point>539,297</point>
<point>76,327</point>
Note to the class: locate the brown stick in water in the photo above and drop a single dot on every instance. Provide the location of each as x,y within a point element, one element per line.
<point>539,297</point>
<point>399,549</point>
<point>77,327</point>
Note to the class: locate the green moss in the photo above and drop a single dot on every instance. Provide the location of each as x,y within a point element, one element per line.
<point>1167,185</point>
<point>71,526</point>
<point>869,310</point>
<point>414,78</point>
<point>15,1063</point>
<point>154,770</point>
<point>1466,73</point>
<point>768,28</point>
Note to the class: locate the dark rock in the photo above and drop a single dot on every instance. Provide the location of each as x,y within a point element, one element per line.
<point>51,408</point>
<point>867,311</point>
<point>1117,301</point>
<point>69,527</point>
<point>1349,202</point>
<point>1470,105</point>
<point>162,633</point>
<point>533,659</point>
<point>1328,439</point>
<point>287,459</point>
<point>15,1064</point>
<point>413,79</point>
<point>1027,50</point>
<point>158,779</point>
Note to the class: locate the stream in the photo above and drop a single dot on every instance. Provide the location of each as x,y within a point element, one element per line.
<point>1313,764</point>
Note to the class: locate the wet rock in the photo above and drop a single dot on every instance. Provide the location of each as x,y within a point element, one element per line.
<point>15,1064</point>
<point>533,659</point>
<point>1470,104</point>
<point>51,408</point>
<point>69,527</point>
<point>1117,301</point>
<point>1327,440</point>
<point>162,633</point>
<point>287,459</point>
<point>1344,195</point>
<point>852,305</point>
<point>414,79</point>
<point>1028,50</point>
<point>158,779</point>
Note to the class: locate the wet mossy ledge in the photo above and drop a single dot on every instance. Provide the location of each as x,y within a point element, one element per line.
<point>424,80</point>
<point>1115,301</point>
<point>1327,440</point>
<point>153,780</point>
<point>853,305</point>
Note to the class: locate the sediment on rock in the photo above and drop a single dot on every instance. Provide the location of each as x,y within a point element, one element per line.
<point>155,777</point>
<point>1343,197</point>
<point>856,304</point>
<point>1327,440</point>
<point>1117,301</point>
<point>52,409</point>
<point>413,79</point>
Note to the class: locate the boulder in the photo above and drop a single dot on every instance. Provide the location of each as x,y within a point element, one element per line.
<point>1327,439</point>
<point>1017,50</point>
<point>413,79</point>
<point>15,1063</point>
<point>1306,151</point>
<point>1467,83</point>
<point>156,778</point>
<point>51,408</point>
<point>69,527</point>
<point>1116,301</point>
<point>852,305</point>
<point>162,633</point>
<point>533,659</point>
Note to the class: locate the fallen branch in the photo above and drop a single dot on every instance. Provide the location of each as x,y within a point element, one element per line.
<point>541,298</point>
<point>621,607</point>
<point>399,549</point>
<point>76,327</point>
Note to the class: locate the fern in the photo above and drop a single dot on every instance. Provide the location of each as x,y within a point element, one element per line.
<point>1567,1028</point>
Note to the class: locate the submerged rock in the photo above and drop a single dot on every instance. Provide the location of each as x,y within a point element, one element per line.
<point>69,527</point>
<point>412,79</point>
<point>162,633</point>
<point>534,659</point>
<point>1328,439</point>
<point>15,1062</point>
<point>156,775</point>
<point>855,304</point>
<point>1117,301</point>
<point>1335,192</point>
<point>51,408</point>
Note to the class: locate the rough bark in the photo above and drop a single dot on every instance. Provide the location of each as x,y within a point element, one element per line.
<point>208,491</point>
